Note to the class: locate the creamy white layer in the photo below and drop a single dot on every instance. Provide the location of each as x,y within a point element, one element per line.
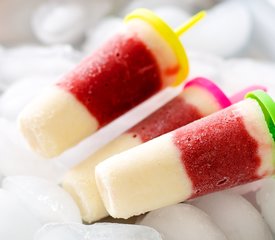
<point>144,178</point>
<point>55,121</point>
<point>257,128</point>
<point>202,99</point>
<point>80,180</point>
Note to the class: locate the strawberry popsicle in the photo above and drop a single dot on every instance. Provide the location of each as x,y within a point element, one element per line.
<point>228,148</point>
<point>145,57</point>
<point>200,97</point>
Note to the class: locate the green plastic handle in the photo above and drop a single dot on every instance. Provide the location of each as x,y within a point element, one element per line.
<point>268,107</point>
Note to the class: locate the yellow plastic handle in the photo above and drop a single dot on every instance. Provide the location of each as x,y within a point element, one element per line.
<point>170,35</point>
<point>192,21</point>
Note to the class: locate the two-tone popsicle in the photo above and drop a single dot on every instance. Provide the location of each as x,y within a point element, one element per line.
<point>228,148</point>
<point>200,97</point>
<point>145,57</point>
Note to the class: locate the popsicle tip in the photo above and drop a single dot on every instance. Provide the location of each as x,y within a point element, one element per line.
<point>190,23</point>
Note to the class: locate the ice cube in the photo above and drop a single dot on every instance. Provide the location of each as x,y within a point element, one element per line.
<point>235,216</point>
<point>46,200</point>
<point>15,159</point>
<point>248,191</point>
<point>266,199</point>
<point>21,62</point>
<point>240,73</point>
<point>205,65</point>
<point>14,19</point>
<point>17,223</point>
<point>247,188</point>
<point>225,31</point>
<point>98,231</point>
<point>59,22</point>
<point>103,31</point>
<point>21,93</point>
<point>264,32</point>
<point>251,197</point>
<point>182,221</point>
<point>65,21</point>
<point>172,15</point>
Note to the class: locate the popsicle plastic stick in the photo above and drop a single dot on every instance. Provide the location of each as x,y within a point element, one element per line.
<point>192,21</point>
<point>211,87</point>
<point>240,95</point>
<point>268,107</point>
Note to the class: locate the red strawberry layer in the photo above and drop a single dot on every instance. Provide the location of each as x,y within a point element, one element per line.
<point>172,115</point>
<point>114,79</point>
<point>218,152</point>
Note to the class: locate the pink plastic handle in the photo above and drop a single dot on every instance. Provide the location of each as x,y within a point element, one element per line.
<point>240,95</point>
<point>220,96</point>
<point>211,87</point>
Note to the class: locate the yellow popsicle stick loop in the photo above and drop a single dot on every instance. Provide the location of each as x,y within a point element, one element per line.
<point>170,36</point>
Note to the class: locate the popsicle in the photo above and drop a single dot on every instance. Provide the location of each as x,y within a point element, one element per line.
<point>199,97</point>
<point>145,57</point>
<point>225,149</point>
